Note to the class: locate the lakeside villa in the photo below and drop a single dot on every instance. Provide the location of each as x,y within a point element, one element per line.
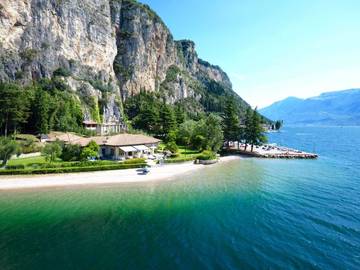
<point>117,147</point>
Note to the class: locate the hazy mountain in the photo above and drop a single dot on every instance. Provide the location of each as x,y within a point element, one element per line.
<point>332,108</point>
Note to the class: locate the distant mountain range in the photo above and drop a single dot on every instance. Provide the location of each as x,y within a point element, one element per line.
<point>339,108</point>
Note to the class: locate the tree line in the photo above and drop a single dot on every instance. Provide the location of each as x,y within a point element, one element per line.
<point>248,130</point>
<point>202,131</point>
<point>49,104</point>
<point>38,108</point>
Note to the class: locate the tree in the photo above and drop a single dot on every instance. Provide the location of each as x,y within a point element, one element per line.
<point>167,120</point>
<point>147,119</point>
<point>185,132</point>
<point>248,127</point>
<point>14,106</point>
<point>172,147</point>
<point>214,133</point>
<point>278,124</point>
<point>41,108</point>
<point>256,132</point>
<point>90,151</point>
<point>180,114</point>
<point>52,151</point>
<point>8,148</point>
<point>71,152</point>
<point>208,134</point>
<point>231,125</point>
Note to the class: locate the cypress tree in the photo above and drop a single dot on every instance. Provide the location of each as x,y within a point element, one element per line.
<point>231,125</point>
<point>256,135</point>
<point>14,107</point>
<point>41,111</point>
<point>167,119</point>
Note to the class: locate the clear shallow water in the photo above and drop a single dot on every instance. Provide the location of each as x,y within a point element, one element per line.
<point>263,214</point>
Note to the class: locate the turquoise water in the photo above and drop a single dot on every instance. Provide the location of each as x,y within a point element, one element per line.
<point>247,214</point>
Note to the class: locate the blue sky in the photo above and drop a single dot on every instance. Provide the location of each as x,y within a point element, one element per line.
<point>272,49</point>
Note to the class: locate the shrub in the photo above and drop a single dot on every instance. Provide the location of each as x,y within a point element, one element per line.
<point>172,147</point>
<point>52,151</point>
<point>28,54</point>
<point>134,161</point>
<point>19,75</point>
<point>62,72</point>
<point>207,155</point>
<point>90,151</point>
<point>15,167</point>
<point>71,152</point>
<point>72,169</point>
<point>179,160</point>
<point>8,148</point>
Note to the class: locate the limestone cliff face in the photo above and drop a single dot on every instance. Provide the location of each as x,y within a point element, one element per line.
<point>120,47</point>
<point>37,37</point>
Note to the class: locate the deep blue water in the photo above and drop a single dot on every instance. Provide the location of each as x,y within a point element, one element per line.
<point>245,214</point>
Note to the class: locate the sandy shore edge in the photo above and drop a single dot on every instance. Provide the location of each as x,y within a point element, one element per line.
<point>158,173</point>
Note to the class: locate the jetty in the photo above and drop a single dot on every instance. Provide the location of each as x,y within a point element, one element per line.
<point>270,151</point>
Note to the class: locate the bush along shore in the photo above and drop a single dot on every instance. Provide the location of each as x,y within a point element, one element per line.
<point>71,167</point>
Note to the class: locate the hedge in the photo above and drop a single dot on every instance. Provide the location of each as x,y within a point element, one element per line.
<point>15,167</point>
<point>179,160</point>
<point>72,164</point>
<point>207,155</point>
<point>134,161</point>
<point>72,169</point>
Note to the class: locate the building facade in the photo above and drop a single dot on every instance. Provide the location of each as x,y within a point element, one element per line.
<point>122,146</point>
<point>102,129</point>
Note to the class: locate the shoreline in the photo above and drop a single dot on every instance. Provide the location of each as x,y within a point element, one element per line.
<point>158,173</point>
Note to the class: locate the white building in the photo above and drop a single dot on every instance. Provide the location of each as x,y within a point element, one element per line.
<point>122,146</point>
<point>104,128</point>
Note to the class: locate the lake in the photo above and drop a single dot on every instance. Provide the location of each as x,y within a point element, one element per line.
<point>244,214</point>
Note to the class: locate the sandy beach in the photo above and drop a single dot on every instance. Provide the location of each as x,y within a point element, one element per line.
<point>158,173</point>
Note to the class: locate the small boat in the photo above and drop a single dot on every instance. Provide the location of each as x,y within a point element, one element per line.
<point>146,170</point>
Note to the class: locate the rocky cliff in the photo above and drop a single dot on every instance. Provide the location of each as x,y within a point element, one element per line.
<point>106,49</point>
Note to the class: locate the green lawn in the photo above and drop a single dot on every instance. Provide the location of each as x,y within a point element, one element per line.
<point>26,161</point>
<point>185,154</point>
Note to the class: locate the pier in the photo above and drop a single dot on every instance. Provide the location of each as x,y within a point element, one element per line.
<point>270,151</point>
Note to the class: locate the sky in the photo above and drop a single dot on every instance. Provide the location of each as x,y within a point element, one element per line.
<point>272,49</point>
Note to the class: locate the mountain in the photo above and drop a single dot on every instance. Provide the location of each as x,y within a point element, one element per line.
<point>341,108</point>
<point>107,50</point>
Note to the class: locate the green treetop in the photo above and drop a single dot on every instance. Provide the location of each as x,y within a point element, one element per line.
<point>8,148</point>
<point>231,125</point>
<point>14,107</point>
<point>52,151</point>
<point>168,120</point>
<point>255,132</point>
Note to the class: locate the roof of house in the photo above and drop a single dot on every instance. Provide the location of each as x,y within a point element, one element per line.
<point>90,123</point>
<point>66,137</point>
<point>118,140</point>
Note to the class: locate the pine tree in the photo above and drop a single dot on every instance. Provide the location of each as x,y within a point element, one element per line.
<point>231,125</point>
<point>167,119</point>
<point>14,107</point>
<point>256,135</point>
<point>180,115</point>
<point>41,111</point>
<point>248,127</point>
<point>148,119</point>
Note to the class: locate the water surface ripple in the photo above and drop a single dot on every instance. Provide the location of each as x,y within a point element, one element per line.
<point>247,214</point>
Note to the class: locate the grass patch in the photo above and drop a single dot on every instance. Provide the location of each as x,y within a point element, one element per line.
<point>27,161</point>
<point>184,154</point>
